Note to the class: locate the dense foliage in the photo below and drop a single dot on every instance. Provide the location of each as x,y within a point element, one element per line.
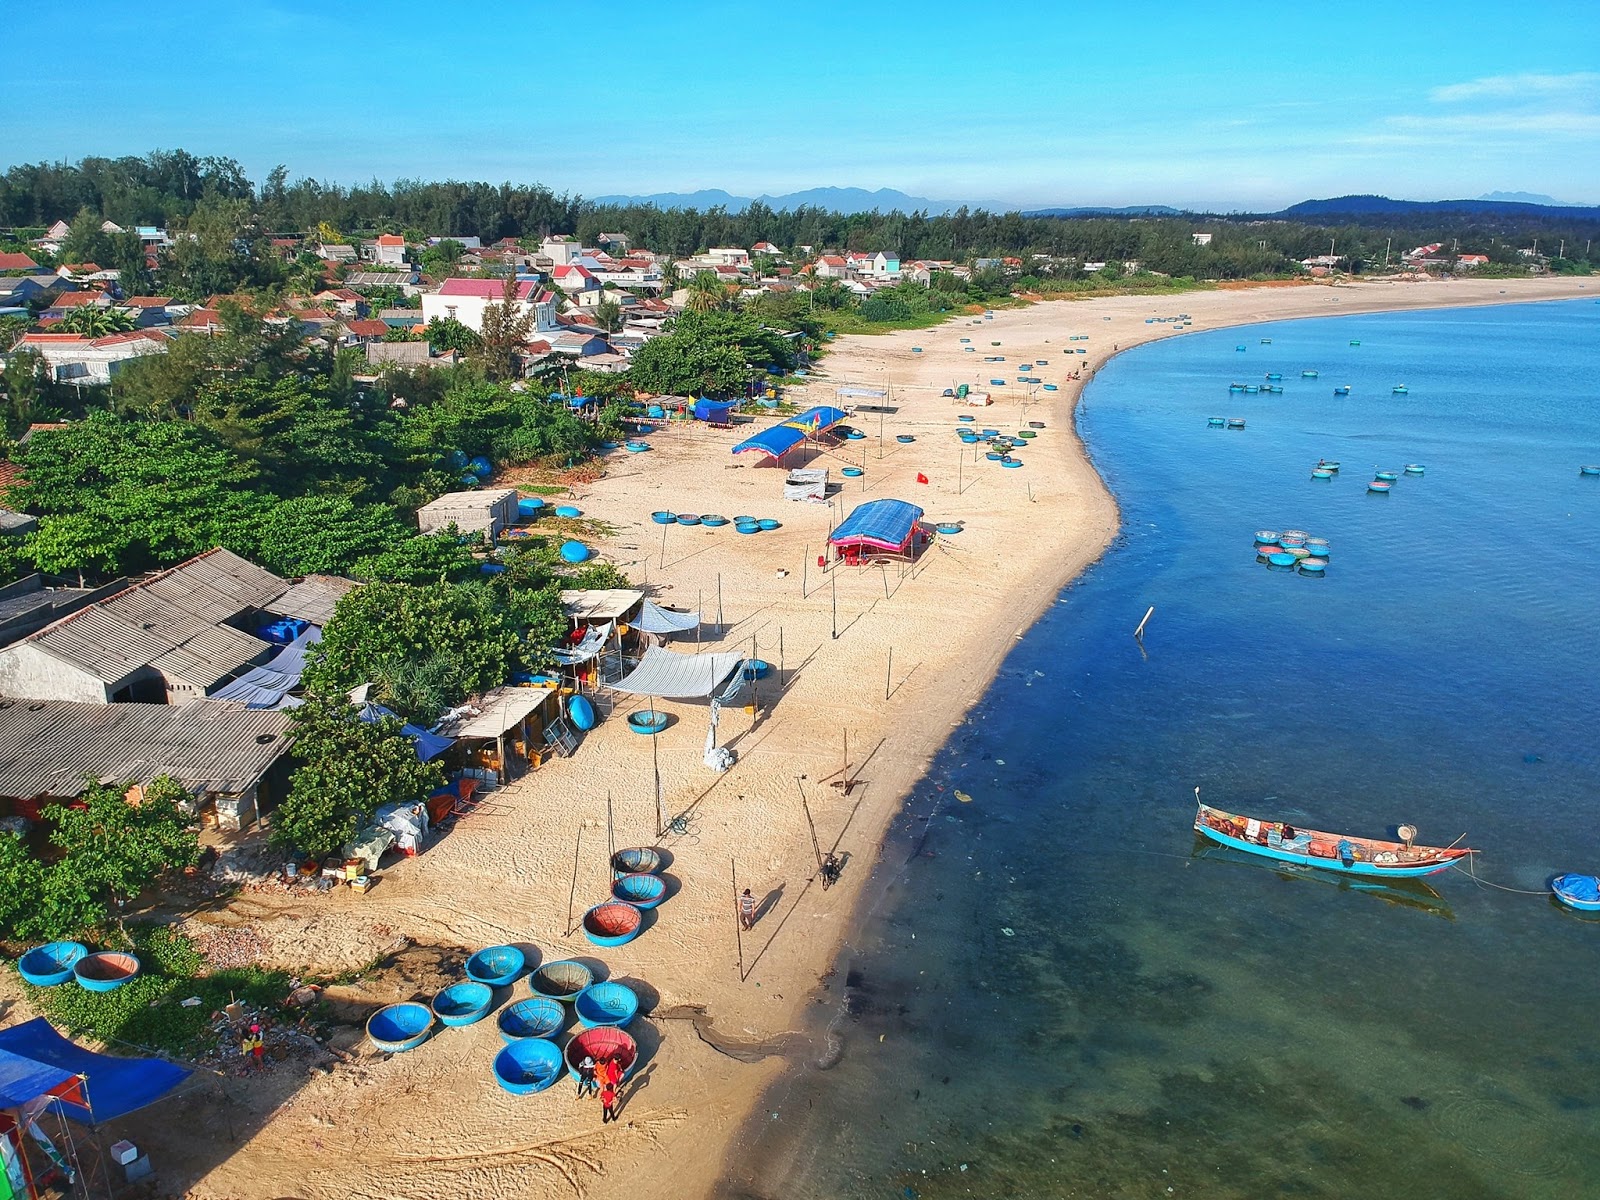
<point>346,769</point>
<point>106,851</point>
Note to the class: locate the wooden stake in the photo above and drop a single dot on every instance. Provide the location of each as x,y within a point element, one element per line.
<point>836,608</point>
<point>805,571</point>
<point>738,922</point>
<point>816,846</point>
<point>574,891</point>
<point>719,604</point>
<point>664,547</point>
<point>888,674</point>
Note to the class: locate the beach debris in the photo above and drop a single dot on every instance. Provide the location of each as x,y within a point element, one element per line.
<point>1008,931</point>
<point>191,1002</point>
<point>226,949</point>
<point>963,797</point>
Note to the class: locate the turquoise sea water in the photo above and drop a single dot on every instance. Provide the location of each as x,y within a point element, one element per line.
<point>1060,992</point>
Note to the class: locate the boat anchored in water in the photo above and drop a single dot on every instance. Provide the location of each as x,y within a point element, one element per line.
<point>1327,851</point>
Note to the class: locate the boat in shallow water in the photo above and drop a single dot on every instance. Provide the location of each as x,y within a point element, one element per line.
<point>1330,851</point>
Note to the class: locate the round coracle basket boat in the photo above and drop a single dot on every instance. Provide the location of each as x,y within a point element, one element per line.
<point>463,1003</point>
<point>106,970</point>
<point>606,1004</point>
<point>50,964</point>
<point>639,889</point>
<point>560,980</point>
<point>612,923</point>
<point>647,722</point>
<point>635,859</point>
<point>603,1043</point>
<point>536,1017</point>
<point>397,1028</point>
<point>527,1066</point>
<point>496,966</point>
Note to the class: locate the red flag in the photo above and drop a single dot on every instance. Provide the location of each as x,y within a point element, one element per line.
<point>921,478</point>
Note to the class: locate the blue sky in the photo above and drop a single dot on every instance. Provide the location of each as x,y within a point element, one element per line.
<point>1028,103</point>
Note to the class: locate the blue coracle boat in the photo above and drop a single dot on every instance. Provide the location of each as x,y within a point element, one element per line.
<point>1581,892</point>
<point>1328,851</point>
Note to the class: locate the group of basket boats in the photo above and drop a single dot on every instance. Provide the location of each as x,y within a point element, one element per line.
<point>562,993</point>
<point>1372,858</point>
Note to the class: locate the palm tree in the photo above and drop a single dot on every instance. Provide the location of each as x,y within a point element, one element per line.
<point>706,292</point>
<point>92,321</point>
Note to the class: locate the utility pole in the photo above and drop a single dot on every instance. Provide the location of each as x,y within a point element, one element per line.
<point>1387,243</point>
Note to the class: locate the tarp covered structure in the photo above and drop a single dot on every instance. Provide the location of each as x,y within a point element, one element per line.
<point>713,412</point>
<point>777,440</point>
<point>429,745</point>
<point>266,686</point>
<point>878,525</point>
<point>593,641</point>
<point>679,676</point>
<point>34,1051</point>
<point>653,618</point>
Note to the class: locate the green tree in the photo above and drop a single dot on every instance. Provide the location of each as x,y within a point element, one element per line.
<point>86,242</point>
<point>38,900</point>
<point>506,325</point>
<point>706,292</point>
<point>114,848</point>
<point>608,315</point>
<point>447,333</point>
<point>381,631</point>
<point>93,321</point>
<point>440,259</point>
<point>426,558</point>
<point>346,770</point>
<point>320,535</point>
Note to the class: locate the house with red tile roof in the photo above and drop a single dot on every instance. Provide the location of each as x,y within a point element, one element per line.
<point>464,300</point>
<point>17,262</point>
<point>365,329</point>
<point>68,301</point>
<point>201,320</point>
<point>574,278</point>
<point>389,248</point>
<point>831,266</point>
<point>147,310</point>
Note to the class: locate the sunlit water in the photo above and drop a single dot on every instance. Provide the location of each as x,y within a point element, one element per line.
<point>1060,993</point>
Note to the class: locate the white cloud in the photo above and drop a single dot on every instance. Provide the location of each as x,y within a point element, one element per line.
<point>1518,87</point>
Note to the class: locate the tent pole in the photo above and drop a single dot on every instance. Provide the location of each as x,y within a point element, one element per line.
<point>699,607</point>
<point>738,923</point>
<point>655,763</point>
<point>719,604</point>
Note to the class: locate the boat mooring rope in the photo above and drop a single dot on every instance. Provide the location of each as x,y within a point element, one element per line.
<point>1473,875</point>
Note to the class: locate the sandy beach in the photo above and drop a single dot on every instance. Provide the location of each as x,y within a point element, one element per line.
<point>889,658</point>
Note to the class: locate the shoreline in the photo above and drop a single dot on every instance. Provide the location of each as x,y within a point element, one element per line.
<point>739,1179</point>
<point>908,656</point>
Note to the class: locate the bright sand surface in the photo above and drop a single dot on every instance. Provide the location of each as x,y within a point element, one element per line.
<point>432,1122</point>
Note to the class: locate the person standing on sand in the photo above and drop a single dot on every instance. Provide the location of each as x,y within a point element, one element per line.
<point>611,1072</point>
<point>747,910</point>
<point>586,1076</point>
<point>608,1102</point>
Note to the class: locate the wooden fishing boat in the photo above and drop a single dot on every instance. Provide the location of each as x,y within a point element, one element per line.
<point>1330,851</point>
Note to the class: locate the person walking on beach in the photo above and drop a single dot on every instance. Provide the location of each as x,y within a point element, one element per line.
<point>608,1102</point>
<point>586,1084</point>
<point>747,910</point>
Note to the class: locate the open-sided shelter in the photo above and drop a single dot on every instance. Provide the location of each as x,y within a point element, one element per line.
<point>777,440</point>
<point>877,527</point>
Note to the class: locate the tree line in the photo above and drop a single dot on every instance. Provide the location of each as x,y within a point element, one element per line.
<point>169,187</point>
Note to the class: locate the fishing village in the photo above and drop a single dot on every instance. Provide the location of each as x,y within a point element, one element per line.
<point>637,858</point>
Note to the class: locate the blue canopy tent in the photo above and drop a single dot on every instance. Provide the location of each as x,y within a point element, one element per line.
<point>777,440</point>
<point>36,1061</point>
<point>878,526</point>
<point>713,412</point>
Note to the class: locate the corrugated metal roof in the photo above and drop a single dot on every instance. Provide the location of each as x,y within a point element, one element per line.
<point>132,629</point>
<point>501,708</point>
<point>313,598</point>
<point>210,656</point>
<point>599,604</point>
<point>48,747</point>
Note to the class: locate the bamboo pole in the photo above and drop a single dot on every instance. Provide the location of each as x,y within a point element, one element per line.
<point>577,846</point>
<point>888,673</point>
<point>738,922</point>
<point>1139,632</point>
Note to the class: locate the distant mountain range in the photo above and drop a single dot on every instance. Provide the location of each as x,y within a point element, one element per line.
<point>830,199</point>
<point>1368,207</point>
<point>1382,206</point>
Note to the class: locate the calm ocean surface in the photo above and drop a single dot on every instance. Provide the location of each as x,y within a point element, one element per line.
<point>1060,993</point>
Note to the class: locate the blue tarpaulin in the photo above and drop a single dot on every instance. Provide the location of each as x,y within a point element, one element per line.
<point>429,745</point>
<point>34,1052</point>
<point>714,412</point>
<point>777,440</point>
<point>266,686</point>
<point>879,525</point>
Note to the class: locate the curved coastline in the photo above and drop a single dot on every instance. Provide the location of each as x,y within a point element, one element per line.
<point>745,1177</point>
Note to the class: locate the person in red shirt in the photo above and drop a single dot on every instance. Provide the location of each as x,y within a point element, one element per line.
<point>608,1102</point>
<point>612,1070</point>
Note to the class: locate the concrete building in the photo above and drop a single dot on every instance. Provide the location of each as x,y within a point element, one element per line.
<point>74,358</point>
<point>465,299</point>
<point>487,512</point>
